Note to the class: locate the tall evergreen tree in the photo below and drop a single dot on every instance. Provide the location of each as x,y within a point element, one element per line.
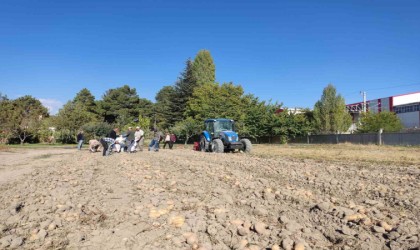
<point>195,74</point>
<point>164,103</point>
<point>120,105</point>
<point>183,90</point>
<point>145,108</point>
<point>330,112</point>
<point>203,68</point>
<point>85,98</point>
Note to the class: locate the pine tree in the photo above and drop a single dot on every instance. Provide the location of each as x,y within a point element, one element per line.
<point>195,74</point>
<point>85,98</point>
<point>120,105</point>
<point>183,90</point>
<point>203,69</point>
<point>163,107</point>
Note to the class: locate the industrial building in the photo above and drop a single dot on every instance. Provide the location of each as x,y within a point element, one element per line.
<point>406,106</point>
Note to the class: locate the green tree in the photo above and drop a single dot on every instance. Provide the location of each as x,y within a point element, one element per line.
<point>373,122</point>
<point>145,108</point>
<point>195,73</point>
<point>86,98</point>
<point>164,107</point>
<point>261,118</point>
<point>330,114</point>
<point>183,91</point>
<point>6,123</point>
<point>203,68</point>
<point>96,130</point>
<point>212,100</point>
<point>187,128</point>
<point>293,124</point>
<point>46,131</point>
<point>22,117</point>
<point>143,122</point>
<point>253,125</point>
<point>275,121</point>
<point>120,105</point>
<point>71,118</point>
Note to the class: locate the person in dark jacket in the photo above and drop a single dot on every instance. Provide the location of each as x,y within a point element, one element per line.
<point>130,139</point>
<point>80,139</point>
<point>157,137</point>
<point>113,133</point>
<point>108,142</point>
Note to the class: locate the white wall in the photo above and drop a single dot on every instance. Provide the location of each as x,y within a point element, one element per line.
<point>406,99</point>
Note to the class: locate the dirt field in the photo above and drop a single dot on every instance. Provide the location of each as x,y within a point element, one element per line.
<point>288,197</point>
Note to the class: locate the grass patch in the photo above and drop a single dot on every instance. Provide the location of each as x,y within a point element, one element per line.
<point>397,155</point>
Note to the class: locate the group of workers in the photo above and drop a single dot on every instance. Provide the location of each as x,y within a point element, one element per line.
<point>129,144</point>
<point>132,142</point>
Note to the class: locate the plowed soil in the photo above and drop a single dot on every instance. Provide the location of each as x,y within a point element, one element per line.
<point>182,199</point>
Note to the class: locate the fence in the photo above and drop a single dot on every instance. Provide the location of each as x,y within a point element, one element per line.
<point>406,139</point>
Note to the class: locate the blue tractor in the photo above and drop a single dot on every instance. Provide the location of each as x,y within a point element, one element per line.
<point>219,136</point>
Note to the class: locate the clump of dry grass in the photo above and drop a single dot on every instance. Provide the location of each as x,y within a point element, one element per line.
<point>342,152</point>
<point>4,148</point>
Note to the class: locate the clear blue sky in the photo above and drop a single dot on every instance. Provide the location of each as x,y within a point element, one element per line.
<point>284,50</point>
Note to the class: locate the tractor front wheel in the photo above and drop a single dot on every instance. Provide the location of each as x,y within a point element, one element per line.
<point>246,145</point>
<point>217,146</point>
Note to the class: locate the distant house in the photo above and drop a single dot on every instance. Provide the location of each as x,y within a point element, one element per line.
<point>406,106</point>
<point>291,110</point>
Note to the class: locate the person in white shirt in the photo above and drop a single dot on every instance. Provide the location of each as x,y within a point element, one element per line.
<point>121,143</point>
<point>139,138</point>
<point>167,139</point>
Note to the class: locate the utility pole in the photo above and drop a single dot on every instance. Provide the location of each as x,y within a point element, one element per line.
<point>364,100</point>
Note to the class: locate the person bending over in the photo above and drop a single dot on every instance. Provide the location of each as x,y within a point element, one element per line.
<point>108,142</point>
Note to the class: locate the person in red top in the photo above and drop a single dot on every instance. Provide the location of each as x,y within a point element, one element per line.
<point>172,140</point>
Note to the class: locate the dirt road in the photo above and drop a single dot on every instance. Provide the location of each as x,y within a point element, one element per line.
<point>181,199</point>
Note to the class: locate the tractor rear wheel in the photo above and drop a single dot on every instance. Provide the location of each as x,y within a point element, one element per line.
<point>217,146</point>
<point>246,145</point>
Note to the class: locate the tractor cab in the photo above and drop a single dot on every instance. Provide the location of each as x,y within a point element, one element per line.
<point>215,126</point>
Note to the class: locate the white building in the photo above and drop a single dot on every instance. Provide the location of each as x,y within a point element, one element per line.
<point>406,106</point>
